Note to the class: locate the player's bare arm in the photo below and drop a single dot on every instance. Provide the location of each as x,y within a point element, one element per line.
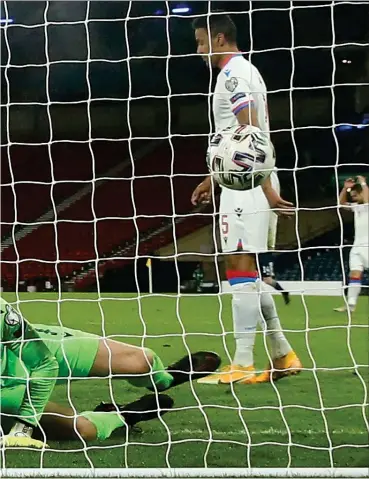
<point>203,192</point>
<point>349,183</point>
<point>281,206</point>
<point>248,116</point>
<point>365,189</point>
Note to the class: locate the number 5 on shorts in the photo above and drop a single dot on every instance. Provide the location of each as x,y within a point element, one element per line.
<point>224,225</point>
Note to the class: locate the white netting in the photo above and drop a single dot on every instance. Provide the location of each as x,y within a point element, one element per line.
<point>106,114</point>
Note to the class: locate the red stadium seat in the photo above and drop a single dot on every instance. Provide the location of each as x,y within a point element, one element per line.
<point>113,212</point>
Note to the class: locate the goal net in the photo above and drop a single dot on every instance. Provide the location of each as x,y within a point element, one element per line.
<point>106,117</point>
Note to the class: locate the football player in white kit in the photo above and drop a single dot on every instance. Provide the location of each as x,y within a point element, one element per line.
<point>240,97</point>
<point>359,254</point>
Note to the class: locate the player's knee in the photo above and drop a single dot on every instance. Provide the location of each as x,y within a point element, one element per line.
<point>148,359</point>
<point>85,429</point>
<point>241,262</point>
<point>139,359</point>
<point>355,275</point>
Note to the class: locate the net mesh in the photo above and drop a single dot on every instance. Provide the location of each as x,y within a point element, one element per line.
<point>107,112</point>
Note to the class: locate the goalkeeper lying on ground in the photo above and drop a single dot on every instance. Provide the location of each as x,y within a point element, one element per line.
<point>36,357</point>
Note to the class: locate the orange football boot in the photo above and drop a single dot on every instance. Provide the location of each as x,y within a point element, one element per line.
<point>287,365</point>
<point>232,373</point>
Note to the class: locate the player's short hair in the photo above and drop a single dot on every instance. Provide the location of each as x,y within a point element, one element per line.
<point>221,23</point>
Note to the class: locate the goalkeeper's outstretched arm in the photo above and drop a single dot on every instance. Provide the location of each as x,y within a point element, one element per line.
<point>18,336</point>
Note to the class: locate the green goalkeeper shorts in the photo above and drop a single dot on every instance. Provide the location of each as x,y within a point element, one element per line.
<point>74,350</point>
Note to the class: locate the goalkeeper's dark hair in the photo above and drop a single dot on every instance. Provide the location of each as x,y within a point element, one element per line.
<point>218,23</point>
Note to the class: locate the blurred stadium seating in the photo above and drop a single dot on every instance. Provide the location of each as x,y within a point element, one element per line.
<point>110,217</point>
<point>110,213</point>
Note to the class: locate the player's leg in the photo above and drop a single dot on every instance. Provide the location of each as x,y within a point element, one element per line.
<point>358,262</point>
<point>57,419</point>
<point>266,268</point>
<point>266,259</point>
<point>239,220</point>
<point>142,367</point>
<point>62,423</point>
<point>284,360</point>
<point>271,281</point>
<point>254,301</point>
<point>354,288</point>
<point>86,354</point>
<point>246,316</point>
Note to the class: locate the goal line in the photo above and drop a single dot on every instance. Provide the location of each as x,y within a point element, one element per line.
<point>187,473</point>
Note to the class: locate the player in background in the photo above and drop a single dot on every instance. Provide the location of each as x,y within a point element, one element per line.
<point>240,97</point>
<point>266,263</point>
<point>34,358</point>
<point>359,254</point>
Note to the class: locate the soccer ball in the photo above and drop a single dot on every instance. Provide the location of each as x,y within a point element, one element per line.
<point>241,157</point>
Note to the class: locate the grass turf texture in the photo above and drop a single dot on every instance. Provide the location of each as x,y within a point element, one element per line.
<point>313,420</point>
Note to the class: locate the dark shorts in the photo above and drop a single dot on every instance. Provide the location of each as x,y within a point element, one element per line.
<point>266,265</point>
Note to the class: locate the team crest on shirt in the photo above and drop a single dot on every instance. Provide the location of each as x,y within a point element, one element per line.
<point>231,84</point>
<point>12,317</point>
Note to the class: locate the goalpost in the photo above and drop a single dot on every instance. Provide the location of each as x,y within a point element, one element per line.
<point>121,249</point>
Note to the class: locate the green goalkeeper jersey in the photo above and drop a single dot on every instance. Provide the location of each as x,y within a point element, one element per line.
<point>18,336</point>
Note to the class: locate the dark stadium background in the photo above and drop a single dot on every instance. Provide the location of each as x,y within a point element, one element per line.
<point>53,145</point>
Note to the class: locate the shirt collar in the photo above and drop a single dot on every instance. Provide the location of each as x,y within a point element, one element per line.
<point>227,58</point>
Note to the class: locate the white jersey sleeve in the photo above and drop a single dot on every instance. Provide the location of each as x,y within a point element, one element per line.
<point>238,94</point>
<point>239,85</point>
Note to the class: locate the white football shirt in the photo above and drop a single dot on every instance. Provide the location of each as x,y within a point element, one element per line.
<point>239,85</point>
<point>361,213</point>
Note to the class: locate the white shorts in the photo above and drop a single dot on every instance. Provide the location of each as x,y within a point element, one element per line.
<point>244,220</point>
<point>359,258</point>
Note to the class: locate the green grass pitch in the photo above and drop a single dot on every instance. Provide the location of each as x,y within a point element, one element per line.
<point>316,419</point>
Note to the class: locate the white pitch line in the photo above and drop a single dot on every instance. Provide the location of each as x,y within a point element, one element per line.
<point>270,431</point>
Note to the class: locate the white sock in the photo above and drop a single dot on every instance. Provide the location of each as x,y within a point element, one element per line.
<point>279,346</point>
<point>353,292</point>
<point>246,315</point>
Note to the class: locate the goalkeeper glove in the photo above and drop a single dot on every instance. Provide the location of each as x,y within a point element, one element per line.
<point>21,436</point>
